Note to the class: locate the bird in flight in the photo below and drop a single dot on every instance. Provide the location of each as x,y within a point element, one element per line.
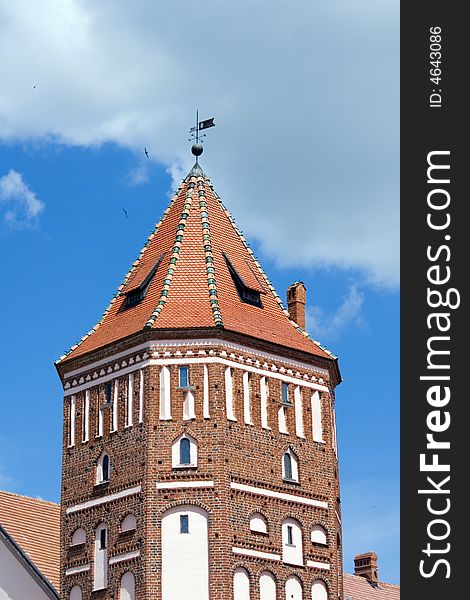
<point>125,212</point>
<point>146,153</point>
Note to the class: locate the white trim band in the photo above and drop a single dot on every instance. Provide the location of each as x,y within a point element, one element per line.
<point>178,485</point>
<point>256,553</point>
<point>95,381</point>
<point>104,499</point>
<point>122,557</point>
<point>280,495</point>
<point>79,569</point>
<point>318,565</point>
<point>154,345</point>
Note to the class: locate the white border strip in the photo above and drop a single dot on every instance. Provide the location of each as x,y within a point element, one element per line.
<point>256,553</point>
<point>337,516</point>
<point>155,344</point>
<point>103,499</point>
<point>280,495</point>
<point>79,569</point>
<point>178,485</point>
<point>185,361</point>
<point>122,557</point>
<point>318,565</point>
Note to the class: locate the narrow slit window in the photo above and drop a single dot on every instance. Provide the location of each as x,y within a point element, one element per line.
<point>290,537</point>
<point>184,523</point>
<point>105,467</point>
<point>184,377</point>
<point>287,466</point>
<point>103,540</point>
<point>285,393</point>
<point>108,392</point>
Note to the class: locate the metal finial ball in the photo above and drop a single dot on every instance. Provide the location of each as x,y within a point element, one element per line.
<point>197,149</point>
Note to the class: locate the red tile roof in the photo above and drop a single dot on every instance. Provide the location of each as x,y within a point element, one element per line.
<point>193,287</point>
<point>359,588</point>
<point>35,527</point>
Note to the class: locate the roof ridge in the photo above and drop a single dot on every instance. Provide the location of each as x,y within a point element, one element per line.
<point>126,278</point>
<point>29,498</point>
<point>261,271</point>
<point>209,257</point>
<point>173,259</point>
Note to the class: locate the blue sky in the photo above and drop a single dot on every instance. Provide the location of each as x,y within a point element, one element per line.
<point>305,155</point>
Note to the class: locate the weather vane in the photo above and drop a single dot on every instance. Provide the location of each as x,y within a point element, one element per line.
<point>196,137</point>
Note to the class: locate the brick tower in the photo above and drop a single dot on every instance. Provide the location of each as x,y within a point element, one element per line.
<point>199,447</point>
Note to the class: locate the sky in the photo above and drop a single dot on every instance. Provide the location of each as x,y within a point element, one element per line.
<point>304,154</point>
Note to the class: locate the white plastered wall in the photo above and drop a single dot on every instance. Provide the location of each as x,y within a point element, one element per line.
<point>188,551</point>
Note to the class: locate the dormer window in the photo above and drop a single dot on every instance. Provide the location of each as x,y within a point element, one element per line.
<point>247,294</point>
<point>137,293</point>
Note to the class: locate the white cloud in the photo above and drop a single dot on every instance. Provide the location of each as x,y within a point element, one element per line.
<point>139,175</point>
<point>304,95</point>
<point>23,206</point>
<point>327,327</point>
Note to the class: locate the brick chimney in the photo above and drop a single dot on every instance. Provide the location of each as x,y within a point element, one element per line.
<point>296,299</point>
<point>365,565</point>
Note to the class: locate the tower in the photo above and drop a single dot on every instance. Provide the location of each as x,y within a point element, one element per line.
<point>199,445</point>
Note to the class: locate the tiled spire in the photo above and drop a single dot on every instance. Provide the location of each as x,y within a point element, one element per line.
<point>193,273</point>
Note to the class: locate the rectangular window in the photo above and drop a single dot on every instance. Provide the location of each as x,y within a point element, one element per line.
<point>103,539</point>
<point>72,421</point>
<point>184,377</point>
<point>184,523</point>
<point>86,416</point>
<point>108,391</point>
<point>285,393</point>
<point>290,539</point>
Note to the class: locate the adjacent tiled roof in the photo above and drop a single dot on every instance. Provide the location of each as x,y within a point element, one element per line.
<point>35,527</point>
<point>359,588</point>
<point>192,286</point>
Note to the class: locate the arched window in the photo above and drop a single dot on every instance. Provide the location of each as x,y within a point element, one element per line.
<point>318,535</point>
<point>290,468</point>
<point>184,452</point>
<point>258,523</point>
<point>267,586</point>
<point>293,588</point>
<point>78,537</point>
<point>129,523</point>
<point>292,552</point>
<point>241,584</point>
<point>75,593</point>
<point>100,570</point>
<point>102,469</point>
<point>127,587</point>
<point>319,590</point>
<point>287,466</point>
